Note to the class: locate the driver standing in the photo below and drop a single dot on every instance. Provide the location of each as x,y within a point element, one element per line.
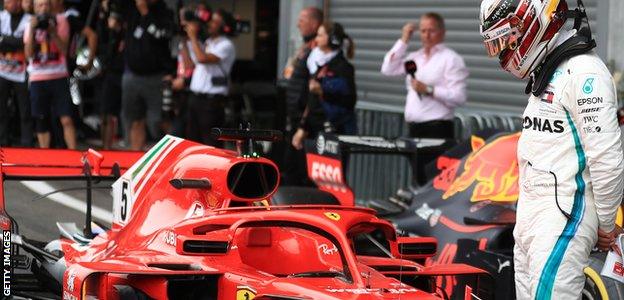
<point>570,154</point>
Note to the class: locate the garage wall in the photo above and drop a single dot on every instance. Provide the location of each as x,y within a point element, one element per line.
<point>375,25</point>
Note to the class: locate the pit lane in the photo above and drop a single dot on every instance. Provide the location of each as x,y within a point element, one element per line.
<point>37,217</point>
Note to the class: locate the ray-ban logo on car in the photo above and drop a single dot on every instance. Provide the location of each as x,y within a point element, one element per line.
<point>327,250</point>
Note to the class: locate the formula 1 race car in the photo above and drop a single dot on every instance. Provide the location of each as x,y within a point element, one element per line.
<point>468,203</point>
<point>194,222</point>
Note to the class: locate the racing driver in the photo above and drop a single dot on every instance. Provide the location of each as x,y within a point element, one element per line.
<point>569,153</point>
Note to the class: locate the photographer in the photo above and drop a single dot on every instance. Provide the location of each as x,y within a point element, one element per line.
<point>186,60</point>
<point>209,85</point>
<point>13,23</point>
<point>78,26</point>
<point>148,59</point>
<point>45,44</point>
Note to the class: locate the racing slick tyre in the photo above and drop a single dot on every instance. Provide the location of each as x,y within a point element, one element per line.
<point>600,287</point>
<point>295,195</point>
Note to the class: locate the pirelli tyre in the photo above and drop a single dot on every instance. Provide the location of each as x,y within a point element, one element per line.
<point>600,287</point>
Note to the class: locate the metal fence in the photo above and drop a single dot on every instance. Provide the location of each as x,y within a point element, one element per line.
<point>377,176</point>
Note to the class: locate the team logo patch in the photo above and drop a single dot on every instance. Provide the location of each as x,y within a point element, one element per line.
<point>332,216</point>
<point>244,292</point>
<point>588,86</point>
<point>548,97</point>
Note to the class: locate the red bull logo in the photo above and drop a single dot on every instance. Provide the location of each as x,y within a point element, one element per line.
<point>493,167</point>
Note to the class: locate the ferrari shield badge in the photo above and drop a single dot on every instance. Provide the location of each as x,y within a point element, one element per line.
<point>245,293</point>
<point>332,216</point>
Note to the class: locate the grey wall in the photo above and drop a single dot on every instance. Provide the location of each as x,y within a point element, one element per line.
<point>615,33</point>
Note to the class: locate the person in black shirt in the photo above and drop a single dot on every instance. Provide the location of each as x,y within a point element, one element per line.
<point>77,19</point>
<point>148,60</point>
<point>111,35</point>
<point>294,166</point>
<point>332,97</point>
<point>13,23</point>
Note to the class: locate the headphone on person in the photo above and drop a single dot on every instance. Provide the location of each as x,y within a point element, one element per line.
<point>336,36</point>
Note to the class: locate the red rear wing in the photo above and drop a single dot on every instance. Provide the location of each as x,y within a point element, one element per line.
<point>26,163</point>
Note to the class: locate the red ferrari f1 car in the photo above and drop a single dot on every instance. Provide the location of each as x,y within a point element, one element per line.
<point>468,203</point>
<point>195,222</point>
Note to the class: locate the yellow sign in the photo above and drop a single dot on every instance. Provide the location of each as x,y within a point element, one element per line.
<point>332,216</point>
<point>245,293</point>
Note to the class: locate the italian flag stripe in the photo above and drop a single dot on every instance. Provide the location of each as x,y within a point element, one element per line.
<point>153,166</point>
<point>150,156</point>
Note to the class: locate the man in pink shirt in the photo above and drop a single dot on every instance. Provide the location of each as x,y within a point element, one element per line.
<point>437,87</point>
<point>433,92</point>
<point>45,45</point>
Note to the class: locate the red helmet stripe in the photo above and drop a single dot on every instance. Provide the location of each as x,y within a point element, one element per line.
<point>529,38</point>
<point>522,9</point>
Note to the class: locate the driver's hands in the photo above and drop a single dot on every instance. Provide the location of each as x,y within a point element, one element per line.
<point>606,240</point>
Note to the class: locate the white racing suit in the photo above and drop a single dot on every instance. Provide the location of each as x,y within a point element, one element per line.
<point>571,162</point>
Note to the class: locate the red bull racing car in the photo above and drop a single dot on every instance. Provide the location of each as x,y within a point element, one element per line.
<point>194,222</point>
<point>468,203</point>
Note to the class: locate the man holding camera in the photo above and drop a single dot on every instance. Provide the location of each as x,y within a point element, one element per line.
<point>45,44</point>
<point>209,85</point>
<point>13,23</point>
<point>148,59</point>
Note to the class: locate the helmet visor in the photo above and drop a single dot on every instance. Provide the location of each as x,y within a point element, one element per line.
<point>498,39</point>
